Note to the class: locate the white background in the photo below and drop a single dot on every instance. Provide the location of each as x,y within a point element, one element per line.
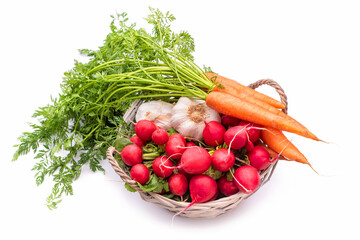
<point>311,48</point>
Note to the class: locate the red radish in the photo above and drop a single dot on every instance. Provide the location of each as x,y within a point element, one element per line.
<point>195,160</point>
<point>215,196</point>
<point>144,129</point>
<point>249,146</point>
<point>213,133</point>
<point>227,187</point>
<point>160,136</point>
<point>178,184</point>
<point>140,173</point>
<point>229,121</point>
<point>202,189</point>
<point>180,170</point>
<point>253,130</point>
<point>236,137</point>
<point>163,167</point>
<point>190,144</point>
<point>259,158</point>
<point>222,159</point>
<point>131,155</point>
<point>138,141</point>
<point>175,146</point>
<point>247,179</point>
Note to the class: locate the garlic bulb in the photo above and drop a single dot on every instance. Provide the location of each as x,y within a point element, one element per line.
<point>188,117</point>
<point>159,112</point>
<point>163,121</point>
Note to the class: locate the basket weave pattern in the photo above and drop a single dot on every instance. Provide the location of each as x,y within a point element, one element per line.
<point>198,210</point>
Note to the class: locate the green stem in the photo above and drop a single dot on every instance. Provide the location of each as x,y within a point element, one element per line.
<point>87,136</point>
<point>157,96</point>
<point>110,88</point>
<point>152,88</point>
<point>122,62</point>
<point>150,156</point>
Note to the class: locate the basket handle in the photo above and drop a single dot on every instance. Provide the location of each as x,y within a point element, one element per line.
<point>277,87</point>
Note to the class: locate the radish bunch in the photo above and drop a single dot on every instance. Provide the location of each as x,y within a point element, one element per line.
<point>224,163</point>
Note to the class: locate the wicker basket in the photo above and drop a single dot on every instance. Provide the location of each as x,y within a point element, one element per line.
<point>199,210</point>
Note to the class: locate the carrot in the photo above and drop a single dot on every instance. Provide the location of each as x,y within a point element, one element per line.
<point>277,141</point>
<point>242,109</point>
<point>249,98</point>
<point>242,95</point>
<point>267,107</point>
<point>271,152</point>
<point>237,89</point>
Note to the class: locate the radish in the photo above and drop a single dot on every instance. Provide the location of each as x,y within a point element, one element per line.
<point>138,141</point>
<point>202,189</point>
<point>252,129</point>
<point>181,171</point>
<point>229,121</point>
<point>215,196</point>
<point>160,136</point>
<point>249,146</point>
<point>259,158</point>
<point>253,133</point>
<point>213,133</point>
<point>222,159</point>
<point>190,144</point>
<point>227,187</point>
<point>131,155</point>
<point>144,129</point>
<point>140,173</point>
<point>178,184</point>
<point>195,160</point>
<point>175,146</point>
<point>236,137</point>
<point>163,167</point>
<point>247,179</point>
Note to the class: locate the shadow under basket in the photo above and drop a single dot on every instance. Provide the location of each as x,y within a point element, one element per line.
<point>199,210</point>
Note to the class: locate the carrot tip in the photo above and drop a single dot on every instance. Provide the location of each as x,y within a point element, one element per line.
<point>313,168</point>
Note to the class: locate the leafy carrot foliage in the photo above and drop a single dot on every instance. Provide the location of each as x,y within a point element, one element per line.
<point>78,126</point>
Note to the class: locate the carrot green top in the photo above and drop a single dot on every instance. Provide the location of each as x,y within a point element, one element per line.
<point>84,119</point>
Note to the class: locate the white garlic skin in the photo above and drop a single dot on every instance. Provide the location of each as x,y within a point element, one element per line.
<point>159,112</point>
<point>163,121</point>
<point>185,124</point>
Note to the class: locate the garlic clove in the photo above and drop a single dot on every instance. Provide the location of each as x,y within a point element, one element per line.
<point>212,115</point>
<point>163,121</point>
<point>151,110</point>
<point>187,129</point>
<point>183,103</point>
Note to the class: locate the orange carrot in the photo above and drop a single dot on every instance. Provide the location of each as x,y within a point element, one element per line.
<point>244,96</point>
<point>236,89</point>
<point>277,141</point>
<point>266,106</point>
<point>242,109</point>
<point>252,99</point>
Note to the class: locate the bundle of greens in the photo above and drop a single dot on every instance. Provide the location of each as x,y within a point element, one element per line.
<point>83,121</point>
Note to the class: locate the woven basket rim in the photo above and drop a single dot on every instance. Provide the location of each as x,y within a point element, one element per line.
<point>198,209</point>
